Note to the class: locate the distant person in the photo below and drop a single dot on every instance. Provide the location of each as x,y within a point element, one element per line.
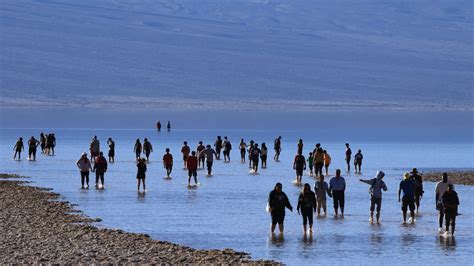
<point>327,161</point>
<point>168,162</point>
<point>111,154</point>
<point>321,188</point>
<point>243,149</point>
<point>337,186</point>
<point>299,147</point>
<point>348,157</point>
<point>192,165</point>
<point>249,151</point>
<point>307,204</point>
<point>137,148</point>
<point>440,188</point>
<point>85,167</point>
<point>264,155</point>
<point>51,143</point>
<point>227,149</point>
<point>147,149</point>
<point>376,187</point>
<point>94,148</point>
<point>310,163</point>
<point>42,143</point>
<point>299,164</point>
<point>201,156</point>
<point>209,153</point>
<point>277,201</point>
<point>168,126</point>
<point>418,187</point>
<point>255,154</point>
<point>18,148</point>
<point>100,167</point>
<point>158,125</point>
<point>32,145</point>
<point>318,161</point>
<point>450,203</point>
<point>185,150</point>
<point>277,148</point>
<point>358,161</point>
<point>47,144</point>
<point>141,173</point>
<point>407,186</point>
<point>218,147</point>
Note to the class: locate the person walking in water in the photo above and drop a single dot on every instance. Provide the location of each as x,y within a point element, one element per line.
<point>450,203</point>
<point>264,155</point>
<point>85,167</point>
<point>94,148</point>
<point>168,126</point>
<point>321,188</point>
<point>32,146</point>
<point>137,148</point>
<point>201,156</point>
<point>250,147</point>
<point>147,149</point>
<point>158,126</point>
<point>358,160</point>
<point>277,202</point>
<point>299,164</point>
<point>310,163</point>
<point>307,205</point>
<point>168,162</point>
<point>255,154</point>
<point>277,148</point>
<point>209,153</point>
<point>227,149</point>
<point>376,187</point>
<point>348,157</point>
<point>111,154</point>
<point>185,150</point>
<point>337,186</point>
<point>327,161</point>
<point>440,188</point>
<point>418,187</point>
<point>243,149</point>
<point>100,167</point>
<point>18,148</point>
<point>318,161</point>
<point>218,146</point>
<point>141,173</point>
<point>192,165</point>
<point>299,146</point>
<point>42,143</point>
<point>407,186</point>
<point>51,143</point>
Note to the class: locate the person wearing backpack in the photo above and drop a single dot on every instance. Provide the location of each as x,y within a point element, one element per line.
<point>376,186</point>
<point>227,149</point>
<point>147,149</point>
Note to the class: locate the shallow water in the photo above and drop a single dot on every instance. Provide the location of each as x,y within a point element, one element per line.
<point>228,209</point>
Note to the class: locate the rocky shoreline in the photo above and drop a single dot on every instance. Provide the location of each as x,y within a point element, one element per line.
<point>36,228</point>
<point>457,177</point>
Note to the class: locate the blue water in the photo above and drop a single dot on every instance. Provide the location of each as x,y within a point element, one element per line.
<point>228,209</point>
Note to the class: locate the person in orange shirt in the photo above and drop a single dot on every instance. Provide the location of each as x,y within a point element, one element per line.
<point>192,164</point>
<point>168,162</point>
<point>327,161</point>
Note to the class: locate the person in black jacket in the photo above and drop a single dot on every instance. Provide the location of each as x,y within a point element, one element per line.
<point>141,173</point>
<point>307,204</point>
<point>450,204</point>
<point>277,201</point>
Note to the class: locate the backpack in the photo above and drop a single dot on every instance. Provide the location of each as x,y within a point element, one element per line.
<point>371,189</point>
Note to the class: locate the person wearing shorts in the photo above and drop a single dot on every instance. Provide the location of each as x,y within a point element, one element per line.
<point>168,162</point>
<point>192,164</point>
<point>376,187</point>
<point>337,186</point>
<point>299,164</point>
<point>277,202</point>
<point>32,145</point>
<point>200,154</point>
<point>321,188</point>
<point>407,186</point>
<point>141,173</point>
<point>185,150</point>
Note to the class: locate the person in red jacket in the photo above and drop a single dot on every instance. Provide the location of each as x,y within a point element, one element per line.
<point>192,164</point>
<point>100,167</point>
<point>168,162</point>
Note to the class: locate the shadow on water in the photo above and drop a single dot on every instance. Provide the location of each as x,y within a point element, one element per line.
<point>447,243</point>
<point>277,240</point>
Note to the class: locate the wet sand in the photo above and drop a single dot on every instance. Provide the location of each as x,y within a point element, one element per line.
<point>36,227</point>
<point>457,177</point>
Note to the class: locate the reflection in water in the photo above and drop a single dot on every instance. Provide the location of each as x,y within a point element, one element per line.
<point>308,240</point>
<point>447,243</point>
<point>277,240</point>
<point>141,197</point>
<point>376,239</point>
<point>408,239</point>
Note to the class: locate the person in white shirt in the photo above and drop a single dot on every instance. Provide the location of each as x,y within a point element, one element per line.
<point>440,188</point>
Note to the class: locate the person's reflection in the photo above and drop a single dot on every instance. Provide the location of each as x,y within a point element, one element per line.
<point>376,239</point>
<point>408,239</point>
<point>141,196</point>
<point>308,239</point>
<point>277,239</point>
<point>447,243</point>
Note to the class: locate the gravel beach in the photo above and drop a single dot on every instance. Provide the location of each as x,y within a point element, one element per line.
<point>457,177</point>
<point>38,228</point>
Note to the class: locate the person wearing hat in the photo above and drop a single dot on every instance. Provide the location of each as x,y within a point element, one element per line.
<point>418,187</point>
<point>407,186</point>
<point>277,202</point>
<point>84,166</point>
<point>376,186</point>
<point>147,149</point>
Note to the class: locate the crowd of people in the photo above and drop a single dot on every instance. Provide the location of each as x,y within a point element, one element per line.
<point>410,191</point>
